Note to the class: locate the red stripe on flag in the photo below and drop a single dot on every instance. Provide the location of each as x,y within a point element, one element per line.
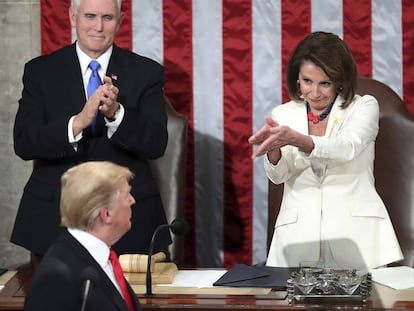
<point>407,50</point>
<point>55,29</point>
<point>357,25</point>
<point>237,109</point>
<point>296,24</point>
<point>178,63</point>
<point>123,37</point>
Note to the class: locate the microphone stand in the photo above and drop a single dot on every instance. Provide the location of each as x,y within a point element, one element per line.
<point>148,276</point>
<point>90,277</point>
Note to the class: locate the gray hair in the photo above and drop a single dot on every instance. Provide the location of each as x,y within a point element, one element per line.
<point>76,3</point>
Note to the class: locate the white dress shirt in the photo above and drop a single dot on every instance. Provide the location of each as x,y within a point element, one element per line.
<point>84,61</point>
<point>98,250</point>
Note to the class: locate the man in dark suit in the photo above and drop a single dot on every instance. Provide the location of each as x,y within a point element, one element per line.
<point>58,125</point>
<point>95,208</point>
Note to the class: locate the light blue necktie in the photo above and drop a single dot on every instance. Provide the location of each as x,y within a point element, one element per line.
<point>93,84</point>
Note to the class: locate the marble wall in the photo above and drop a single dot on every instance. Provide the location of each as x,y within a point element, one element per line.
<point>20,41</point>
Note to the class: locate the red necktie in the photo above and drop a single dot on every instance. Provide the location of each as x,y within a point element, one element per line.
<point>119,275</point>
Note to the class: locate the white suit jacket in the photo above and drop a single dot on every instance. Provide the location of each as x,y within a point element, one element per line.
<point>329,195</point>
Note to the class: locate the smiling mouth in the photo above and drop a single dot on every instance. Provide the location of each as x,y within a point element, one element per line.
<point>100,38</point>
<point>316,101</point>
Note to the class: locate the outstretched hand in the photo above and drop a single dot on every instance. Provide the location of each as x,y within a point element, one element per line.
<point>270,138</point>
<point>261,137</point>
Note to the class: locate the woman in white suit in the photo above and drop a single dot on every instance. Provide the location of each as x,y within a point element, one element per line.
<point>321,145</point>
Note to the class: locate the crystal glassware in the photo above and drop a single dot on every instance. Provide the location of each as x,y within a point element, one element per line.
<point>349,281</point>
<point>305,280</point>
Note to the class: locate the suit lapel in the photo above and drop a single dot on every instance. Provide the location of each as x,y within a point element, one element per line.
<point>74,80</point>
<point>336,118</point>
<point>116,70</point>
<point>134,297</point>
<point>114,295</point>
<point>104,282</point>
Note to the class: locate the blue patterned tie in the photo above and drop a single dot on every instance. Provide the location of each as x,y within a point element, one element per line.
<point>93,84</point>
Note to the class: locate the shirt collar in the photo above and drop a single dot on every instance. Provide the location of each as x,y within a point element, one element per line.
<point>84,60</point>
<point>96,247</point>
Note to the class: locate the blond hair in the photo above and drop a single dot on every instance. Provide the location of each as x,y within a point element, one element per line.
<point>88,187</point>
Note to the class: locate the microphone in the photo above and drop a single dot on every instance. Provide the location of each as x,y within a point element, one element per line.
<point>178,226</point>
<point>90,277</point>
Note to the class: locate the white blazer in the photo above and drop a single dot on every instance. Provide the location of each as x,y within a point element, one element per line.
<point>329,195</point>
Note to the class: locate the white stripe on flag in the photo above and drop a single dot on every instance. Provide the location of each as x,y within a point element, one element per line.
<point>208,131</point>
<point>147,28</point>
<point>327,16</point>
<point>267,93</point>
<point>387,43</point>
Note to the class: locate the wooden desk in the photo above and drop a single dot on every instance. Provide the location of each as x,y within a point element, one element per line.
<point>382,298</point>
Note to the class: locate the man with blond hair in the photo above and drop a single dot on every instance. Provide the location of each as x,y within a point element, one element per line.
<point>95,208</point>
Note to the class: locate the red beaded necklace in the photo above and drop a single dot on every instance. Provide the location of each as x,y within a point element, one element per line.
<point>315,118</point>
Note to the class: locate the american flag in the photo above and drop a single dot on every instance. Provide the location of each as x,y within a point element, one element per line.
<point>225,62</point>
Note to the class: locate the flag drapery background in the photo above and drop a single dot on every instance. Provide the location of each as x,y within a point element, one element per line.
<point>224,62</point>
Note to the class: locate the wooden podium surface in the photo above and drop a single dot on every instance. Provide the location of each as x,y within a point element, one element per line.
<point>382,298</point>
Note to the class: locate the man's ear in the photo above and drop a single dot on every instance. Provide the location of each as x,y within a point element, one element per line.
<point>105,215</point>
<point>72,16</point>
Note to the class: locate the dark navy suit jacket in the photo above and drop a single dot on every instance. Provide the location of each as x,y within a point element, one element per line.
<point>54,92</point>
<point>57,283</point>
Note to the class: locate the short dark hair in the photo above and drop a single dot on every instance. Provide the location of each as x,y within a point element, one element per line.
<point>329,52</point>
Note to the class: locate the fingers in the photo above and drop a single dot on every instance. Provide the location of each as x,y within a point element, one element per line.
<point>271,122</point>
<point>264,132</point>
<point>265,138</point>
<point>257,153</point>
<point>108,80</point>
<point>264,147</point>
<point>108,97</point>
<point>260,135</point>
<point>109,90</point>
<point>261,140</point>
<point>103,99</point>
